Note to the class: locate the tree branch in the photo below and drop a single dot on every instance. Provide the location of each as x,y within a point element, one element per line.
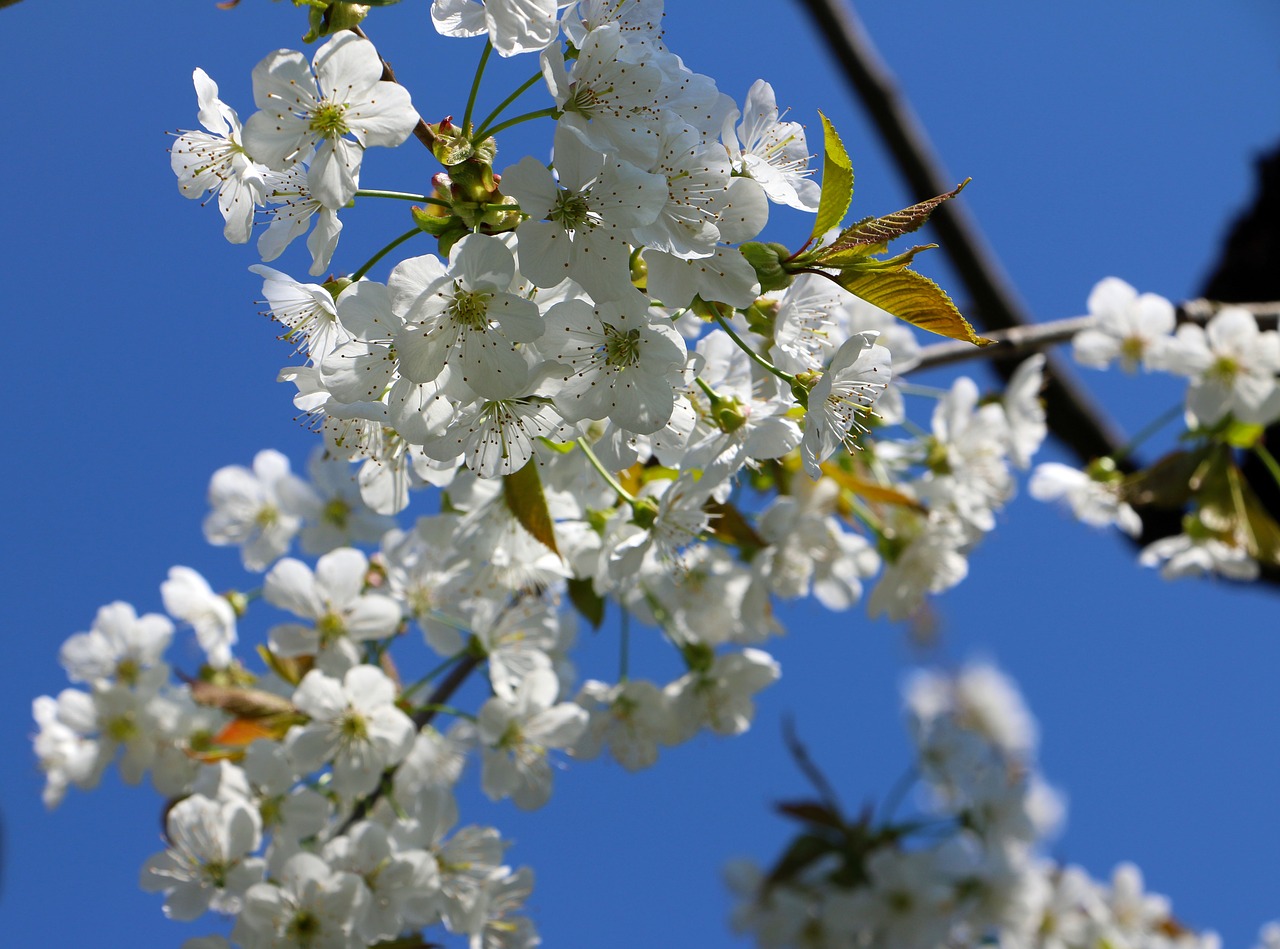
<point>1074,418</point>
<point>1017,342</point>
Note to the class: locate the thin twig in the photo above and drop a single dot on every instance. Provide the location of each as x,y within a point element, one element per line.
<point>1074,418</point>
<point>1021,340</point>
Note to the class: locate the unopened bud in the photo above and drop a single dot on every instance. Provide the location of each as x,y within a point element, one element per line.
<point>768,261</point>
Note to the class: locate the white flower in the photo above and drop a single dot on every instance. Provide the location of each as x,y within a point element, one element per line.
<point>721,697</point>
<point>1129,327</point>
<point>492,925</point>
<point>465,316</point>
<point>306,310</point>
<point>621,364</point>
<point>188,597</point>
<point>119,645</point>
<point>774,153</point>
<point>346,96</point>
<point>1024,411</point>
<point>1232,366</point>
<point>1191,555</point>
<point>333,598</point>
<point>631,718</point>
<point>1095,501</point>
<point>310,907</point>
<point>576,223</point>
<point>843,397</point>
<point>294,205</point>
<point>609,95</point>
<point>65,747</point>
<point>207,865</point>
<point>514,26</point>
<point>217,161</point>
<point>255,510</point>
<point>517,734</point>
<point>354,723</point>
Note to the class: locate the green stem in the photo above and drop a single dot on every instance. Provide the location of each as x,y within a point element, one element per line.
<point>624,647</point>
<point>1149,430</point>
<point>1268,459</point>
<point>786,377</point>
<point>524,87</point>
<point>612,481</point>
<point>382,253</point>
<point>475,85</point>
<point>539,114</point>
<point>401,196</point>
<point>710,392</point>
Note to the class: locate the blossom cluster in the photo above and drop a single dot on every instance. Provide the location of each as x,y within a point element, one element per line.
<point>602,401</point>
<point>1233,393</point>
<point>967,871</point>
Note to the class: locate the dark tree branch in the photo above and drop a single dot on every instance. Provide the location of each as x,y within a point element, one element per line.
<point>1074,418</point>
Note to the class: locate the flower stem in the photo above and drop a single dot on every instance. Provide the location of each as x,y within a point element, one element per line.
<point>786,377</point>
<point>484,133</point>
<point>475,85</point>
<point>1268,459</point>
<point>604,473</point>
<point>624,646</point>
<point>401,196</point>
<point>386,250</point>
<point>524,87</point>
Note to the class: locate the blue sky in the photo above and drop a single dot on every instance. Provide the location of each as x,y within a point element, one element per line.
<point>1102,139</point>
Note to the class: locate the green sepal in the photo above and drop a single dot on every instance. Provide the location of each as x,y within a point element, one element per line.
<point>870,235</point>
<point>837,181</point>
<point>522,492</point>
<point>912,298</point>
<point>434,219</point>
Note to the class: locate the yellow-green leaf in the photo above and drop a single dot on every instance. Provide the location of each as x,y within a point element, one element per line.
<point>913,298</point>
<point>523,493</point>
<point>869,489</point>
<point>1167,483</point>
<point>871,233</point>
<point>837,180</point>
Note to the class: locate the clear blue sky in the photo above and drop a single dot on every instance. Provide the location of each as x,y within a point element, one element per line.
<point>1103,139</point>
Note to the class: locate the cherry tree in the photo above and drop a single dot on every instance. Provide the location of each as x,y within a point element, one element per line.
<point>607,385</point>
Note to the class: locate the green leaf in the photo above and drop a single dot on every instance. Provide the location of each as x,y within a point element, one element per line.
<point>837,181</point>
<point>585,599</point>
<point>523,493</point>
<point>871,234</point>
<point>1167,483</point>
<point>913,298</point>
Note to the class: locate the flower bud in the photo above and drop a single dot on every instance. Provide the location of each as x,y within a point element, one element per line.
<point>768,261</point>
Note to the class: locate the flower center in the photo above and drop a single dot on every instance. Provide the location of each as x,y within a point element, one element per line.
<point>571,211</point>
<point>470,308</point>
<point>621,350</point>
<point>330,120</point>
